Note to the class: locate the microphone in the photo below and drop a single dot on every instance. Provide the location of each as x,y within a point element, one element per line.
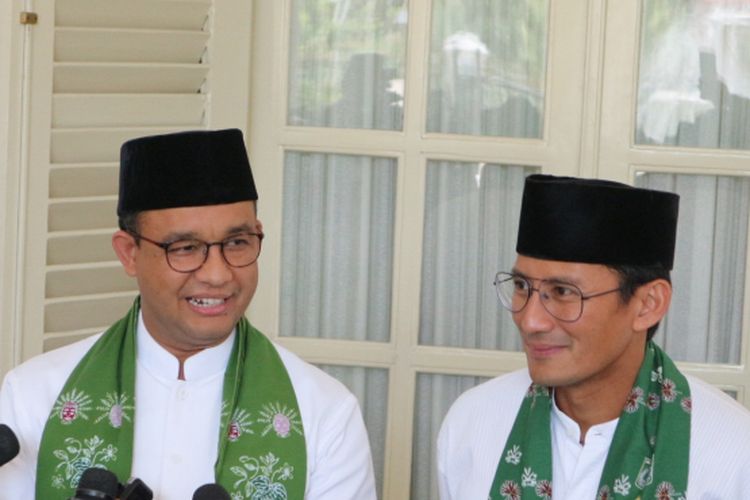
<point>96,484</point>
<point>8,444</point>
<point>211,491</point>
<point>136,490</point>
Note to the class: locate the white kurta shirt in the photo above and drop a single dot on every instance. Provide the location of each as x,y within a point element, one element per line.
<point>177,421</point>
<point>474,432</point>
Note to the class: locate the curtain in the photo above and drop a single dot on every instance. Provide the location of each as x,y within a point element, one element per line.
<point>704,323</point>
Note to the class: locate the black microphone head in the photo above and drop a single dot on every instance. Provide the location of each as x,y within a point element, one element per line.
<point>96,483</point>
<point>8,444</point>
<point>136,489</point>
<point>211,491</point>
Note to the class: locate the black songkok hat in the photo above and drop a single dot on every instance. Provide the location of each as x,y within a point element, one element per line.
<point>597,222</point>
<point>184,169</point>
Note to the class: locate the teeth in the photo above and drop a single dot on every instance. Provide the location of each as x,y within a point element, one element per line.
<point>205,302</point>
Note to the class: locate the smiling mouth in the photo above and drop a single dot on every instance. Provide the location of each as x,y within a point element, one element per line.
<point>205,302</point>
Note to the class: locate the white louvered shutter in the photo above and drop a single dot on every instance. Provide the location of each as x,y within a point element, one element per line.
<point>104,72</point>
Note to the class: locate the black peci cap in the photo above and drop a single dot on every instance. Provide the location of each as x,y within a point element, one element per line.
<point>597,221</point>
<point>184,169</point>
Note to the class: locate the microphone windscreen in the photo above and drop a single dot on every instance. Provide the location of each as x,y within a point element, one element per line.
<point>211,491</point>
<point>136,490</point>
<point>97,483</point>
<point>8,444</point>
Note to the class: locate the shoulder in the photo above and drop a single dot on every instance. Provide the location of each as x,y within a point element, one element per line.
<point>310,381</point>
<point>473,435</point>
<point>490,407</point>
<point>49,371</point>
<point>719,443</point>
<point>498,396</point>
<point>714,406</point>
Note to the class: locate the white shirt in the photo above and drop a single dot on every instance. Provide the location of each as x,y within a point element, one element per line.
<point>177,421</point>
<point>474,432</point>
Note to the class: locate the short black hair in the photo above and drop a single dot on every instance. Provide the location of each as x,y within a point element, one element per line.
<point>633,277</point>
<point>128,222</point>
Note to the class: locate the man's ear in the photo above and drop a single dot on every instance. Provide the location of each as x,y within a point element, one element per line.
<point>125,247</point>
<point>653,301</point>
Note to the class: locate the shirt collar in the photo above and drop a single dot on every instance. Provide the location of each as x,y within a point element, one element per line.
<point>206,363</point>
<point>571,428</point>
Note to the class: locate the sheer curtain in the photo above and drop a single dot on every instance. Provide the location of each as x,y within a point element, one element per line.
<point>435,394</point>
<point>337,246</point>
<point>694,83</point>
<point>370,386</point>
<point>346,65</point>
<point>487,67</point>
<point>471,219</point>
<point>337,265</point>
<point>704,323</point>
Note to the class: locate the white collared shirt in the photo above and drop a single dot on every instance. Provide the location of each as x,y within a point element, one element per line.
<point>473,435</point>
<point>177,421</point>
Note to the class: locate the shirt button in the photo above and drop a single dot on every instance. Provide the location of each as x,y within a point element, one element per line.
<point>182,394</point>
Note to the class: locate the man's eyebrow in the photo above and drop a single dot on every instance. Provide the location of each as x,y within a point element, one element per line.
<point>175,236</point>
<point>192,235</point>
<point>242,228</point>
<point>554,279</point>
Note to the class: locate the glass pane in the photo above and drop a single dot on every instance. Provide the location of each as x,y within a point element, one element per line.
<point>487,67</point>
<point>337,246</point>
<point>470,229</point>
<point>435,395</point>
<point>370,385</point>
<point>346,63</point>
<point>704,323</point>
<point>694,82</point>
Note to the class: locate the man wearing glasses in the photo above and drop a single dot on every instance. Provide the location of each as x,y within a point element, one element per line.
<point>183,391</point>
<point>601,412</point>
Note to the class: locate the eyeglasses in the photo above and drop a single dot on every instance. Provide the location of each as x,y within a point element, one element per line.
<point>186,256</point>
<point>563,301</point>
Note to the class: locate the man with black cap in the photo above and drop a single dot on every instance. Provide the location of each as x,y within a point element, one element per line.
<point>601,412</point>
<point>183,391</point>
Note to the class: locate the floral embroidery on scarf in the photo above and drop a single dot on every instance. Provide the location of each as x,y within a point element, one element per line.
<point>240,423</point>
<point>634,400</point>
<point>114,408</point>
<point>653,401</point>
<point>604,493</point>
<point>687,404</point>
<point>622,485</point>
<point>668,390</point>
<point>79,456</point>
<point>528,478</point>
<point>510,490</point>
<point>665,491</point>
<point>514,455</point>
<point>544,489</point>
<point>282,420</point>
<point>72,405</point>
<point>261,478</point>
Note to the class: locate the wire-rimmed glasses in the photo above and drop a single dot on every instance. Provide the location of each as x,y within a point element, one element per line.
<point>188,255</point>
<point>562,300</point>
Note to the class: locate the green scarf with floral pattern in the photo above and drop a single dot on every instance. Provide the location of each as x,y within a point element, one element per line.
<point>261,445</point>
<point>650,450</point>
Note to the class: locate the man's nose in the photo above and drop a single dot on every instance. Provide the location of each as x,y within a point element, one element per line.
<point>215,269</point>
<point>534,317</point>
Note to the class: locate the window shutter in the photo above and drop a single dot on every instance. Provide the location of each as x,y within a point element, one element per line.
<point>118,70</point>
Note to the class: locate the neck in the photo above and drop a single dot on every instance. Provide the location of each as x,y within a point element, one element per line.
<point>597,401</point>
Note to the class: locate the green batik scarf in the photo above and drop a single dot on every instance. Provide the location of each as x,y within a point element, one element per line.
<point>261,445</point>
<point>650,450</point>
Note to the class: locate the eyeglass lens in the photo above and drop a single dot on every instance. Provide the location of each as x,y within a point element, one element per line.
<point>562,300</point>
<point>189,255</point>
